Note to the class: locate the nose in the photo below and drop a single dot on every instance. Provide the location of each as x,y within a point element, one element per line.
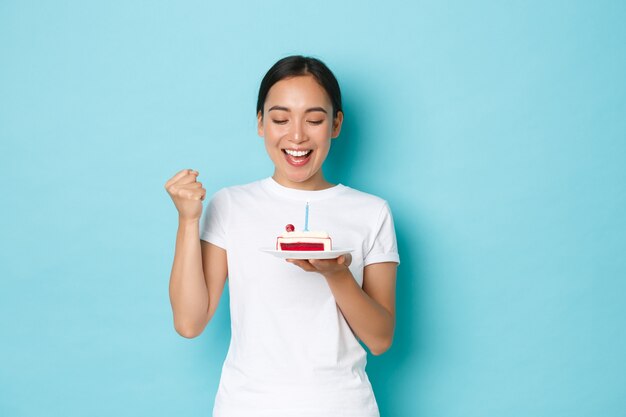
<point>297,134</point>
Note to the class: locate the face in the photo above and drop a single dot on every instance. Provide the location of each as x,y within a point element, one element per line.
<point>297,127</point>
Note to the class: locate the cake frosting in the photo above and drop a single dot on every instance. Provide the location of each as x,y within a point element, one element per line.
<point>303,241</point>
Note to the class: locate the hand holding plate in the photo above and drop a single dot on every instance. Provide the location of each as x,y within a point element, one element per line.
<point>324,266</point>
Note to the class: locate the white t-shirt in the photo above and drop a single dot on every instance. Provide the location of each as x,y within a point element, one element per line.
<point>292,352</point>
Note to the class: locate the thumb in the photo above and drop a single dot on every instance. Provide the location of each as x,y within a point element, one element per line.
<point>345,259</point>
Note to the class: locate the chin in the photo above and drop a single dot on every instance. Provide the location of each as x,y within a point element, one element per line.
<point>299,178</point>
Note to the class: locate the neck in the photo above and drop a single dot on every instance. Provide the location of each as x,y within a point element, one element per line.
<point>315,183</point>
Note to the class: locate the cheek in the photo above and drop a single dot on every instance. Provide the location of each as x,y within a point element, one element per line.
<point>321,133</point>
<point>322,150</point>
<point>273,131</point>
<point>270,144</point>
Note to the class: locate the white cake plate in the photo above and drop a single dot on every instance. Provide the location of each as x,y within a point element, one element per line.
<point>307,254</point>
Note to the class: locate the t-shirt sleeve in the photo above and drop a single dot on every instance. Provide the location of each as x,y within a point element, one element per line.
<point>214,220</point>
<point>384,247</point>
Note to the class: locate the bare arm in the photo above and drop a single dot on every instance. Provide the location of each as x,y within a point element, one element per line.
<point>370,311</point>
<point>197,280</point>
<point>199,269</point>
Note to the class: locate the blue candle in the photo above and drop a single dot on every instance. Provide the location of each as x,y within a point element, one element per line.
<point>306,218</point>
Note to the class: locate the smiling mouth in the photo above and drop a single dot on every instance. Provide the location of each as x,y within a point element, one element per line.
<point>297,158</point>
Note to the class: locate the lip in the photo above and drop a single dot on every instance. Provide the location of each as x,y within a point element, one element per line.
<point>296,149</point>
<point>295,161</point>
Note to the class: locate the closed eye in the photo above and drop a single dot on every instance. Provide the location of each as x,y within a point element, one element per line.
<point>279,122</point>
<point>316,122</point>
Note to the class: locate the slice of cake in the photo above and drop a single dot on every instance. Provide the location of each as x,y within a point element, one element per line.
<point>303,241</point>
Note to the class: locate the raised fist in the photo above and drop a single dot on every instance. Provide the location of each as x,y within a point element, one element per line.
<point>187,194</point>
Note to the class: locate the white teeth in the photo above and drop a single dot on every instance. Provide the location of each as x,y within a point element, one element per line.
<point>297,153</point>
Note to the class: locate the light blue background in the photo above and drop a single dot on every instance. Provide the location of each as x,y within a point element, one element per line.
<point>496,130</point>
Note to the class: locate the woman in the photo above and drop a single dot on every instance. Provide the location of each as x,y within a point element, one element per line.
<point>295,325</point>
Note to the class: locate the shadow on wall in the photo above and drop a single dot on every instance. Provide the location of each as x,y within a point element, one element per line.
<point>344,165</point>
<point>339,166</point>
<point>386,371</point>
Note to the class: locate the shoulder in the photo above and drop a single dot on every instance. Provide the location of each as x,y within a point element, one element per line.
<point>366,208</point>
<point>377,208</point>
<point>363,198</point>
<point>239,193</point>
<point>240,188</point>
<point>250,189</point>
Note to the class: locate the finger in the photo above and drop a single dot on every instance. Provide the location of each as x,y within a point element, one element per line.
<point>191,185</point>
<point>323,263</point>
<point>178,176</point>
<point>315,262</point>
<point>197,196</point>
<point>345,260</point>
<point>189,191</point>
<point>192,194</point>
<point>201,194</point>
<point>187,179</point>
<point>302,264</point>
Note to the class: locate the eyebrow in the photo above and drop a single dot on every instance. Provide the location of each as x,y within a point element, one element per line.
<point>309,110</point>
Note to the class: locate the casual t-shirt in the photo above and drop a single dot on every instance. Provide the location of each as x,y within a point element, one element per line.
<point>292,353</point>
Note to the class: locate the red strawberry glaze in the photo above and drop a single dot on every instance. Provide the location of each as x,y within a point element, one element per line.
<point>304,246</point>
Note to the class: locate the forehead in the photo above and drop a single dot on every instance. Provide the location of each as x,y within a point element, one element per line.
<point>300,91</point>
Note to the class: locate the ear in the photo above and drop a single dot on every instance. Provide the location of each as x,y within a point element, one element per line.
<point>337,122</point>
<point>259,126</point>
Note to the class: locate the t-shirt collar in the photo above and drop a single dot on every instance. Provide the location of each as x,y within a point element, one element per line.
<point>293,193</point>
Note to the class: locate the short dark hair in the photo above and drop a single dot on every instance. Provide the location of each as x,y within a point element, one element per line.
<point>298,65</point>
